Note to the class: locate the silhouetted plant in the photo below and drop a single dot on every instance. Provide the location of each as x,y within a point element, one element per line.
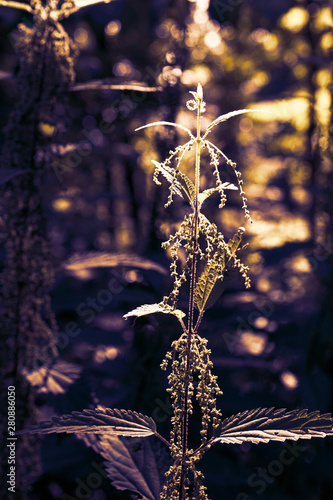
<point>190,369</point>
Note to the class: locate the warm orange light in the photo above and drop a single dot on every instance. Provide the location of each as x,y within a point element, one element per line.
<point>324,19</point>
<point>289,380</point>
<point>61,205</point>
<point>113,28</point>
<point>295,19</point>
<point>254,343</point>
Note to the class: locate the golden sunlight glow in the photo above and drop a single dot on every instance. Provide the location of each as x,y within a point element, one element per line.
<point>299,172</point>
<point>212,39</point>
<point>324,78</point>
<point>271,42</point>
<point>292,143</point>
<point>170,74</point>
<point>113,28</point>
<point>81,38</point>
<point>300,71</point>
<point>82,274</point>
<point>47,129</point>
<point>258,80</point>
<point>300,264</point>
<point>294,110</point>
<point>289,380</point>
<point>324,19</point>
<point>253,343</point>
<point>203,34</point>
<point>123,68</point>
<point>260,35</point>
<point>295,19</point>
<point>197,74</point>
<point>323,106</point>
<point>61,205</point>
<point>186,118</point>
<point>133,276</point>
<point>200,17</point>
<point>269,233</point>
<point>300,195</point>
<point>105,353</point>
<point>261,322</point>
<point>264,170</point>
<point>326,41</point>
<point>264,285</point>
<point>145,161</point>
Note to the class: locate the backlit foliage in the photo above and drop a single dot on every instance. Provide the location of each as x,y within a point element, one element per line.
<point>190,375</point>
<point>107,208</point>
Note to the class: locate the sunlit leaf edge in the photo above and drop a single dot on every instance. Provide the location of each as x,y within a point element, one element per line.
<point>262,425</point>
<point>154,308</point>
<point>97,421</point>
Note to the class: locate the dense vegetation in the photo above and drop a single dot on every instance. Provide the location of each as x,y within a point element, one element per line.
<point>82,224</point>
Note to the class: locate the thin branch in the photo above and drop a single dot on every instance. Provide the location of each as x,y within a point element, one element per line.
<point>16,5</point>
<point>203,446</point>
<point>194,249</point>
<point>165,441</point>
<point>196,328</point>
<point>99,85</point>
<point>182,325</point>
<point>80,4</point>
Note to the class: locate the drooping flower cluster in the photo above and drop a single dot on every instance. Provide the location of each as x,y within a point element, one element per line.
<point>199,254</point>
<point>209,244</point>
<point>197,377</point>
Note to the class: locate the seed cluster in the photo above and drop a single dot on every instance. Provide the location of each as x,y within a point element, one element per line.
<point>199,378</point>
<point>191,384</point>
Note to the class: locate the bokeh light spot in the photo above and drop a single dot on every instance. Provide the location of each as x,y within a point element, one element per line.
<point>61,205</point>
<point>289,380</point>
<point>295,19</point>
<point>113,28</point>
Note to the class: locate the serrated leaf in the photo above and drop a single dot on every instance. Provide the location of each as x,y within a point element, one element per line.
<point>267,424</point>
<point>169,177</point>
<point>235,241</point>
<point>209,288</point>
<point>226,117</point>
<point>172,124</point>
<point>186,185</point>
<point>154,308</point>
<point>180,185</point>
<point>131,464</point>
<point>98,421</point>
<point>206,283</point>
<point>53,379</point>
<point>6,174</point>
<point>208,192</point>
<point>103,259</point>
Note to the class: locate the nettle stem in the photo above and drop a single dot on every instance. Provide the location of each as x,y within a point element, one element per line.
<point>202,241</point>
<point>194,249</point>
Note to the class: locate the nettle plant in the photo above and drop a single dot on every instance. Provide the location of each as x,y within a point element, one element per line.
<point>114,433</point>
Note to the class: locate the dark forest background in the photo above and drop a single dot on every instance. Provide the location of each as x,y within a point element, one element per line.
<point>271,345</point>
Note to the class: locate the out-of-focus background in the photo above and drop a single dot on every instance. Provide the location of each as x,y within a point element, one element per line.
<point>271,345</point>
